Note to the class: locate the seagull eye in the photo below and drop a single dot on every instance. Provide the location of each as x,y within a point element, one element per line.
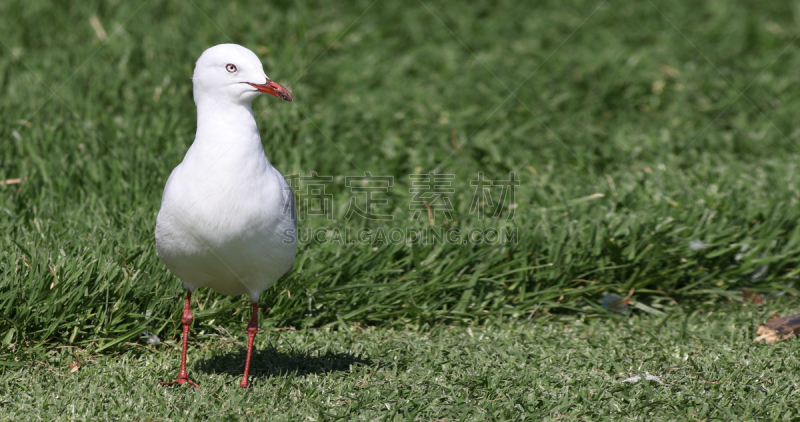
<point>230,67</point>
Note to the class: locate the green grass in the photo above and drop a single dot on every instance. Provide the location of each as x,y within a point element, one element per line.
<point>547,368</point>
<point>634,129</point>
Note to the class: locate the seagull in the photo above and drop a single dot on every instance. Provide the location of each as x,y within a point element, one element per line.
<point>227,219</point>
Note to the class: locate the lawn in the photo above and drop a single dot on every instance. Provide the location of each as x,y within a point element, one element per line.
<point>651,149</point>
<point>565,368</point>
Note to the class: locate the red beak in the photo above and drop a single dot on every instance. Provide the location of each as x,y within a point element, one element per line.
<point>273,88</point>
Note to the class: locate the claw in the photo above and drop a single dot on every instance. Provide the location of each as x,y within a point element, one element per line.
<point>179,381</point>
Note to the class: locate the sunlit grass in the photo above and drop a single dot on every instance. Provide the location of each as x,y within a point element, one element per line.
<point>656,147</point>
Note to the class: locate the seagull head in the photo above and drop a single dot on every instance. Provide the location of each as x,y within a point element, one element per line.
<point>232,73</point>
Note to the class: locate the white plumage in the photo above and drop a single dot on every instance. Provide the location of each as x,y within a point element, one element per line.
<point>227,218</point>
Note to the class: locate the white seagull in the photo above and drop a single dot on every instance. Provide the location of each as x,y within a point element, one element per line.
<point>227,218</point>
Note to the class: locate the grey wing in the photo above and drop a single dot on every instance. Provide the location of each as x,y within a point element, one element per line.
<point>293,210</point>
<point>290,204</point>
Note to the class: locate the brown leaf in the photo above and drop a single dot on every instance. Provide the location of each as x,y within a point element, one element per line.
<point>779,329</point>
<point>749,296</point>
<point>75,365</point>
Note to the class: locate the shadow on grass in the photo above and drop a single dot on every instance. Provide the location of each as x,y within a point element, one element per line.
<point>270,362</point>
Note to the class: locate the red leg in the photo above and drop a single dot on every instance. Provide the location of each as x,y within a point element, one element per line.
<point>187,321</point>
<point>252,329</point>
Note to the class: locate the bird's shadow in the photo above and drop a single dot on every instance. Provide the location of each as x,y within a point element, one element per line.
<point>271,362</point>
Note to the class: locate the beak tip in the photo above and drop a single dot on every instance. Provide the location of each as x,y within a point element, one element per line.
<point>274,89</point>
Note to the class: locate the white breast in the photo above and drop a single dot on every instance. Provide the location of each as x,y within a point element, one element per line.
<point>225,221</point>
